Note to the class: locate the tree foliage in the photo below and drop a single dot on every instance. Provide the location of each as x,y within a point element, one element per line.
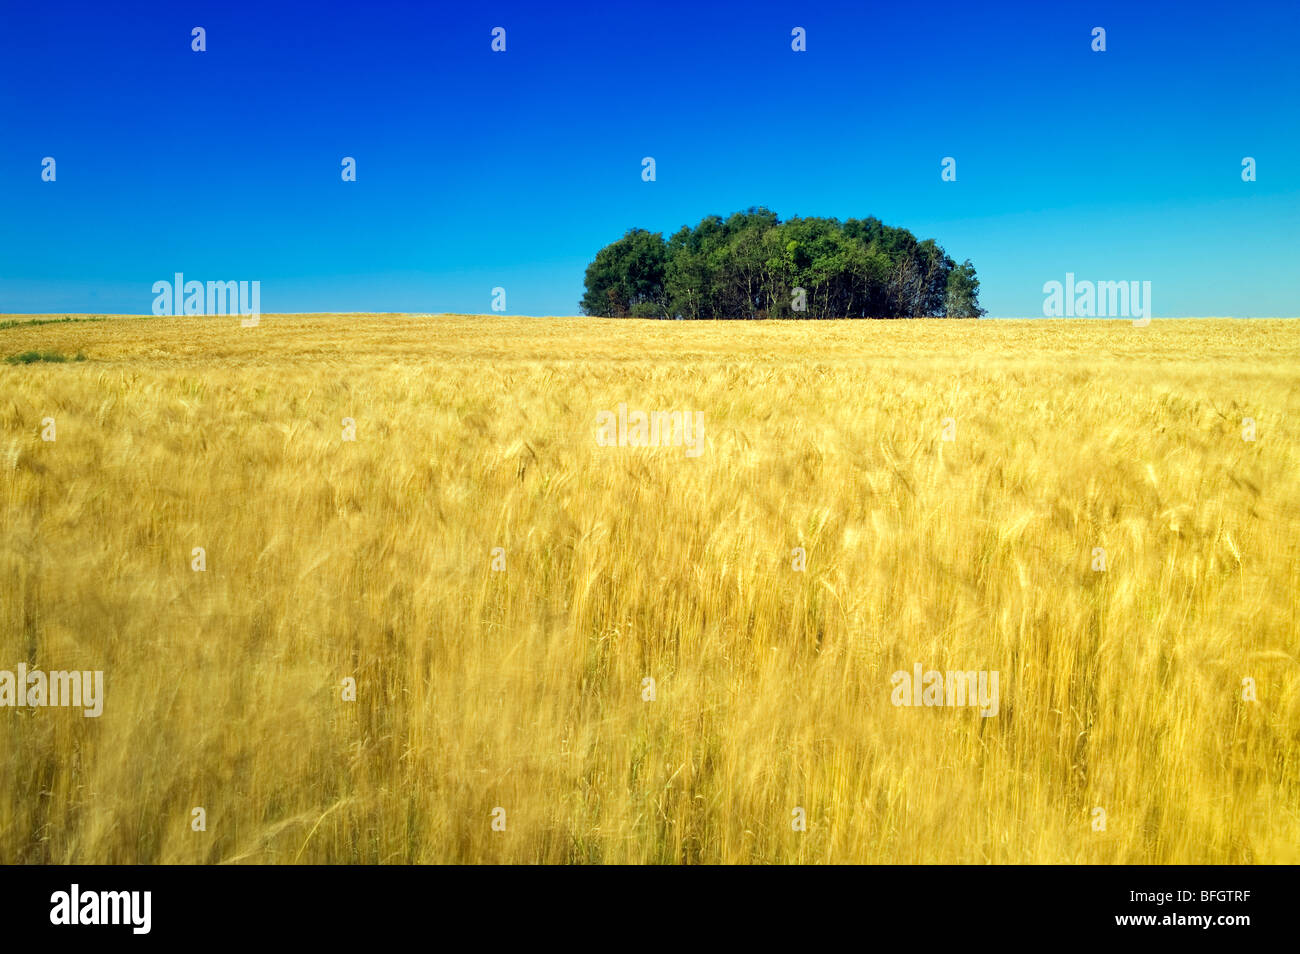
<point>752,265</point>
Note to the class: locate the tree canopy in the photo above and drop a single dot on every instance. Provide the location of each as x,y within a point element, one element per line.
<point>752,265</point>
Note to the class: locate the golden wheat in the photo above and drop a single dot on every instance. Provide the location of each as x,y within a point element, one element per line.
<point>522,689</point>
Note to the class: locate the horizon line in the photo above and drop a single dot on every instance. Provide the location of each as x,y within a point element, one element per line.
<point>470,314</point>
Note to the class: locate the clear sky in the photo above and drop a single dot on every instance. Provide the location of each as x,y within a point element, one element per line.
<point>478,169</point>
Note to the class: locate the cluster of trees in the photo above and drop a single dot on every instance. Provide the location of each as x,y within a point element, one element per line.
<point>752,265</point>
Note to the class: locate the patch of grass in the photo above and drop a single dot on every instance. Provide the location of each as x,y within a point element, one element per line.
<point>33,322</point>
<point>51,357</point>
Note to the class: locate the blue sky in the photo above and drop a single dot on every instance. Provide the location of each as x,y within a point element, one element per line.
<point>478,169</point>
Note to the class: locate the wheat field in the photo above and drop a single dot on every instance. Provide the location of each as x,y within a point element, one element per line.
<point>502,712</point>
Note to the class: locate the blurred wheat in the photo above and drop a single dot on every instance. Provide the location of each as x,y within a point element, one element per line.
<point>371,559</point>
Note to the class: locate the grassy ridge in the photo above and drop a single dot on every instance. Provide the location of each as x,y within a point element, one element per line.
<point>522,689</point>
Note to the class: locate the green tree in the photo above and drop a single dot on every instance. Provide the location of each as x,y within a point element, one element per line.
<point>751,264</point>
<point>627,278</point>
<point>961,299</point>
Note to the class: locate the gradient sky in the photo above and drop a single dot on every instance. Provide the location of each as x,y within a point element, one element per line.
<point>478,169</point>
